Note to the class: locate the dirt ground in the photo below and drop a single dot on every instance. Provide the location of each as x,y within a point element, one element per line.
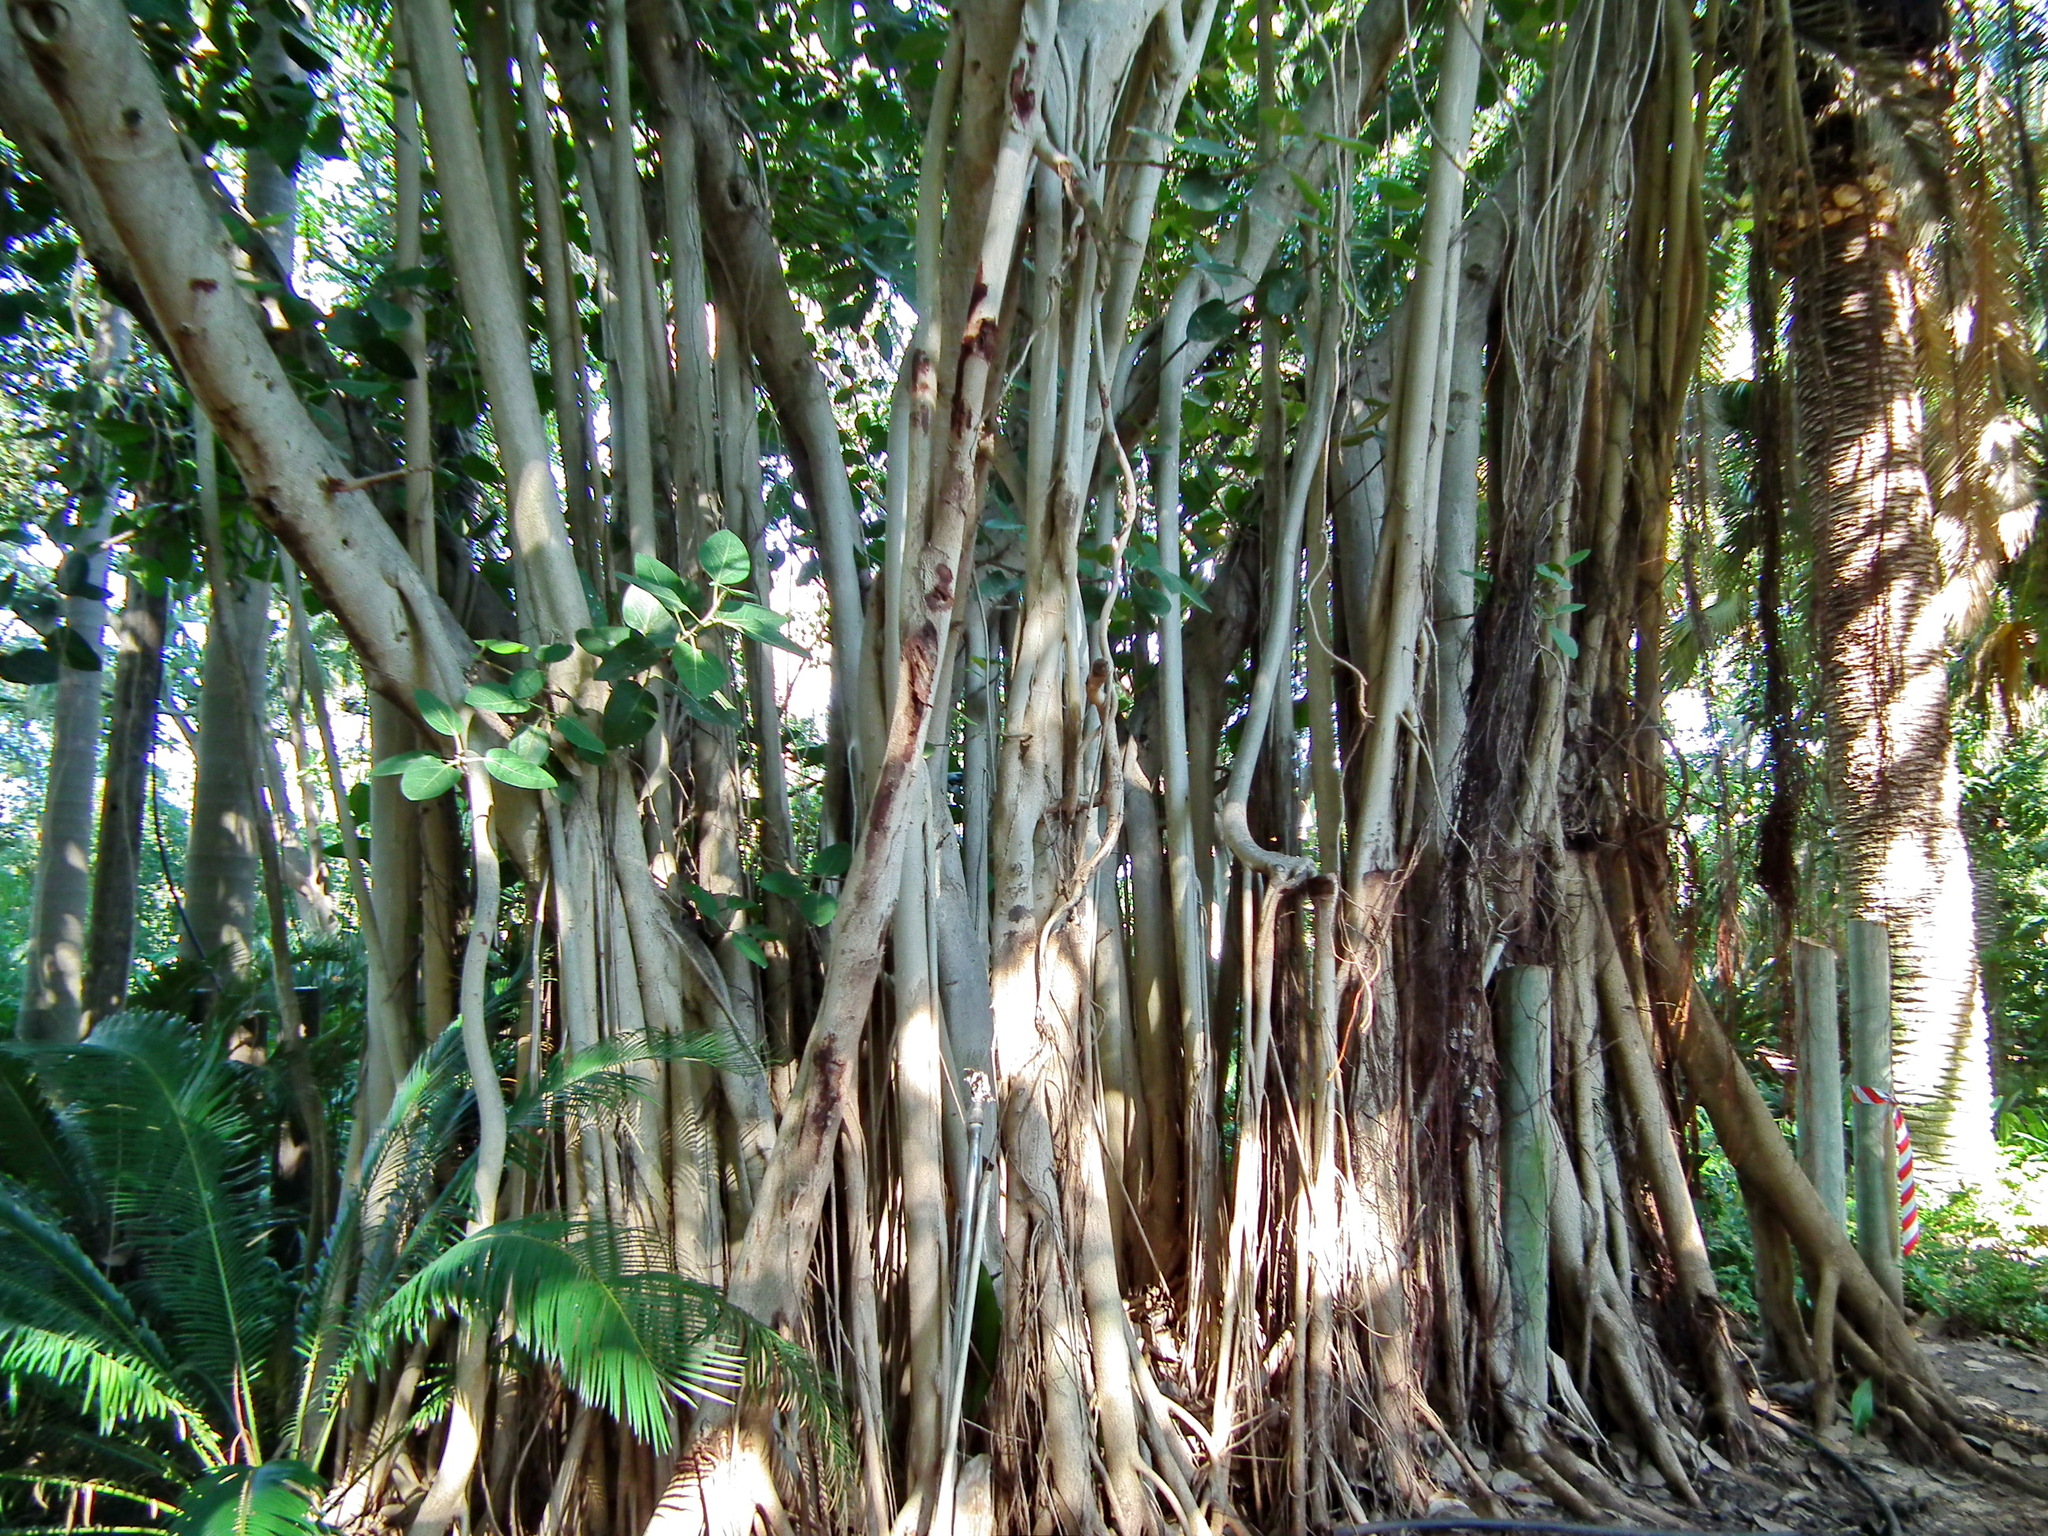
<point>1794,1488</point>
<point>2004,1387</point>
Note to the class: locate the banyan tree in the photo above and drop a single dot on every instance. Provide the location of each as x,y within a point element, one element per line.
<point>1184,1019</point>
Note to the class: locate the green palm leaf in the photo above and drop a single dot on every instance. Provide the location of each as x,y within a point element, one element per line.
<point>98,1487</point>
<point>65,1325</point>
<point>404,1212</point>
<point>600,1079</point>
<point>382,1214</point>
<point>275,1499</point>
<point>39,1154</point>
<point>589,1300</point>
<point>184,1179</point>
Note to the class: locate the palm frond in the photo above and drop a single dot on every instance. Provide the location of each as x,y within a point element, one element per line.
<point>367,1243</point>
<point>184,1179</point>
<point>589,1300</point>
<point>39,1153</point>
<point>599,1079</point>
<point>275,1499</point>
<point>98,1487</point>
<point>64,1324</point>
<point>38,1440</point>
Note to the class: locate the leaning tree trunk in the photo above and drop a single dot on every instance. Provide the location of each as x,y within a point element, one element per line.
<point>1882,631</point>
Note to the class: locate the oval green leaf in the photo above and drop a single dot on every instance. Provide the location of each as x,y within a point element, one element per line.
<point>497,698</point>
<point>1212,321</point>
<point>426,779</point>
<point>762,624</point>
<point>580,736</point>
<point>698,672</point>
<point>509,768</point>
<point>724,559</point>
<point>642,610</point>
<point>531,744</point>
<point>439,714</point>
<point>400,762</point>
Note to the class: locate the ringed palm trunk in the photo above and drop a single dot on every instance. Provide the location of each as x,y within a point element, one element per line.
<point>1885,647</point>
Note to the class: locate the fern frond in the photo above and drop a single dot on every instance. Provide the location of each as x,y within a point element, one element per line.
<point>64,1324</point>
<point>588,1300</point>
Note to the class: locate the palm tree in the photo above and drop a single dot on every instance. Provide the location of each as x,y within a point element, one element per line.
<point>1883,630</point>
<point>160,1354</point>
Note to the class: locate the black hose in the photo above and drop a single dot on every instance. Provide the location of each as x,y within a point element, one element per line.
<point>1480,1523</point>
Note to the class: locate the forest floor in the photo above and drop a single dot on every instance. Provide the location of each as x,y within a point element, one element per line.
<point>1792,1487</point>
<point>1800,1489</point>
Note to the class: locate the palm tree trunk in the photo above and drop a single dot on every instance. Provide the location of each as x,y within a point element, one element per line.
<point>1884,643</point>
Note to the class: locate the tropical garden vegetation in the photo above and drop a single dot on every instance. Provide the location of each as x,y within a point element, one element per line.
<point>852,765</point>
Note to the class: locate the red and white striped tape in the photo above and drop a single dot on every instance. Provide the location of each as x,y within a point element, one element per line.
<point>1909,1186</point>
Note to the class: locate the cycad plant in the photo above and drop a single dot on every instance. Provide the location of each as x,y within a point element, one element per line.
<point>159,1362</point>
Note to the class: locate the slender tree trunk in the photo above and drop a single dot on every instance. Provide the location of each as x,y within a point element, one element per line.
<point>131,743</point>
<point>221,856</point>
<point>54,969</point>
<point>222,850</point>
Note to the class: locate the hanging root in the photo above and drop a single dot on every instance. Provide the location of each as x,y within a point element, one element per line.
<point>1870,1331</point>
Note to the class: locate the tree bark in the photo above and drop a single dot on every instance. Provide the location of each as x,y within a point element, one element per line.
<point>93,67</point>
<point>131,744</point>
<point>53,980</point>
<point>1883,639</point>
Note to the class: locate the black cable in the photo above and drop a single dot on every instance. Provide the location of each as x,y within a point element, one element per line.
<point>156,819</point>
<point>1480,1523</point>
